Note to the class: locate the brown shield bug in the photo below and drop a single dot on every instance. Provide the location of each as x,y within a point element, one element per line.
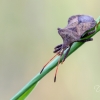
<point>73,32</point>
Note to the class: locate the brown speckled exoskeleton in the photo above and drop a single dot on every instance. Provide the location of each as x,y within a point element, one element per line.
<point>73,32</point>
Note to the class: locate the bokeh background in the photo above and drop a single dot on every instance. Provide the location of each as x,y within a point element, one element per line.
<point>28,34</point>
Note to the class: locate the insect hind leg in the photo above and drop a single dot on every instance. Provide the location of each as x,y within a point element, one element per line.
<point>85,40</point>
<point>96,26</point>
<point>60,54</point>
<point>88,33</point>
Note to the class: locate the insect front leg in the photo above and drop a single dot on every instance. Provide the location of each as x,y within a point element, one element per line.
<point>57,48</point>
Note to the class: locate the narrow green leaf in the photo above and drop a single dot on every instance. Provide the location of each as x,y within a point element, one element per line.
<point>24,92</point>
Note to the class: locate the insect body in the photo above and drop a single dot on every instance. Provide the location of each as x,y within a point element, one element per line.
<point>77,26</point>
<point>74,31</point>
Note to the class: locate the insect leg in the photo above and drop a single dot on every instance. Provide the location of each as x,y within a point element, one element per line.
<point>58,65</point>
<point>57,49</point>
<point>60,45</point>
<point>56,71</point>
<point>66,54</point>
<point>91,32</point>
<point>85,40</point>
<point>87,34</point>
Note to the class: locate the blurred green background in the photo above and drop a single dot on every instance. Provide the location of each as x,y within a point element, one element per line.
<point>28,34</point>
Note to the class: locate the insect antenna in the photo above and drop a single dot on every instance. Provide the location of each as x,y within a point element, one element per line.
<point>65,56</point>
<point>56,70</point>
<point>48,62</point>
<point>60,53</point>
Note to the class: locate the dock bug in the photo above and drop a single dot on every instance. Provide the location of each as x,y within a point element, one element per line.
<point>77,26</point>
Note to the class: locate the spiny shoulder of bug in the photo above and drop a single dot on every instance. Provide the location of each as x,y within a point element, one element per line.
<point>69,35</point>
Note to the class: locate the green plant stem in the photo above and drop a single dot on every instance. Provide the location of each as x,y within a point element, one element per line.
<point>50,66</point>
